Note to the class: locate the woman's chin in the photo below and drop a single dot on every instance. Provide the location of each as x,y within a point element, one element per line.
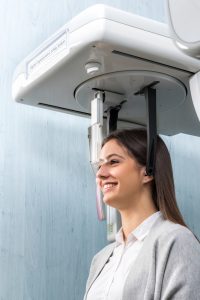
<point>109,199</point>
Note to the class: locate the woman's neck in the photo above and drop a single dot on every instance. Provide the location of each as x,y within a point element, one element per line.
<point>132,218</point>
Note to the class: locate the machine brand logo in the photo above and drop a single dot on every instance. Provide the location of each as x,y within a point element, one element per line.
<point>48,57</point>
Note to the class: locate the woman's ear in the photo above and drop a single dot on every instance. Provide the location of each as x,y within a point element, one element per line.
<point>147,178</point>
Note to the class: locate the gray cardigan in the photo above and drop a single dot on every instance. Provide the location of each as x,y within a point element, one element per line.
<point>167,267</point>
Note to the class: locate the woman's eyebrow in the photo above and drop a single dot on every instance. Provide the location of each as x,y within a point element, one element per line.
<point>113,154</point>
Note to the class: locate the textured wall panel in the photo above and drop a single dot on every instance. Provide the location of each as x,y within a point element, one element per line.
<point>48,226</point>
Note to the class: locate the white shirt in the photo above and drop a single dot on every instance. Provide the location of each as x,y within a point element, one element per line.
<point>110,282</point>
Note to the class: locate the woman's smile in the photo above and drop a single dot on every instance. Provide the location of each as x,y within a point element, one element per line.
<point>108,186</point>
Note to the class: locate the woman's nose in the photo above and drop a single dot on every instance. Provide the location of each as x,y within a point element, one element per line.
<point>103,172</point>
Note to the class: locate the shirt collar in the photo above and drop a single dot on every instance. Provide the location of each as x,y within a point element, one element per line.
<point>119,237</point>
<point>140,232</point>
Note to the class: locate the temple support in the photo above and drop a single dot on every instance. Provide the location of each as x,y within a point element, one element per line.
<point>112,117</point>
<point>150,97</point>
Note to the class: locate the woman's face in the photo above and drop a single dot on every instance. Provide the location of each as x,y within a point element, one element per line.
<point>120,178</point>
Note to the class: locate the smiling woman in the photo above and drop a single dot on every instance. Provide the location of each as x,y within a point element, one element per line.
<point>155,255</point>
<point>112,178</point>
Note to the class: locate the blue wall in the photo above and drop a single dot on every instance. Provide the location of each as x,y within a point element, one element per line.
<point>48,225</point>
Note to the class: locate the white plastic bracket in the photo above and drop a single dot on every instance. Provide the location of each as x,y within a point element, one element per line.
<point>194,83</point>
<point>96,126</point>
<point>95,141</point>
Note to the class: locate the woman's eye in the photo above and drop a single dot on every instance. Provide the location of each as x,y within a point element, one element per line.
<point>113,161</point>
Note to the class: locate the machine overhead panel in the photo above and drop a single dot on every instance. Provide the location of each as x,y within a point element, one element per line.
<point>110,50</point>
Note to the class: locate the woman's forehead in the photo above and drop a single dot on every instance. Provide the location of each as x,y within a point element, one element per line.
<point>113,147</point>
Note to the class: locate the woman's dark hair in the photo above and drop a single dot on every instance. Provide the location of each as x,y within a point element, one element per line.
<point>163,191</point>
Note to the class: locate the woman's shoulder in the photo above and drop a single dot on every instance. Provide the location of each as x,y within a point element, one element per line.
<point>170,228</point>
<point>175,235</point>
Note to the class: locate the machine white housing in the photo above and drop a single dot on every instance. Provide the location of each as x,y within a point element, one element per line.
<point>115,51</point>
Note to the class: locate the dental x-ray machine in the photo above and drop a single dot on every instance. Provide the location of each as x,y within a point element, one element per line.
<point>121,69</point>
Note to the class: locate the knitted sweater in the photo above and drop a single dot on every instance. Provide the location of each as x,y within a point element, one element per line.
<point>167,267</point>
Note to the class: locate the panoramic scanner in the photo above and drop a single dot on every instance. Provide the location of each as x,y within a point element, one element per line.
<point>120,69</point>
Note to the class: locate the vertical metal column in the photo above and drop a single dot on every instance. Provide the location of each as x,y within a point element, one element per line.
<point>95,141</point>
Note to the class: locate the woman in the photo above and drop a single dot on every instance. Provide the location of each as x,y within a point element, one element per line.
<point>155,255</point>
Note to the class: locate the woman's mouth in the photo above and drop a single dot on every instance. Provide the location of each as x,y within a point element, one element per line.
<point>109,186</point>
